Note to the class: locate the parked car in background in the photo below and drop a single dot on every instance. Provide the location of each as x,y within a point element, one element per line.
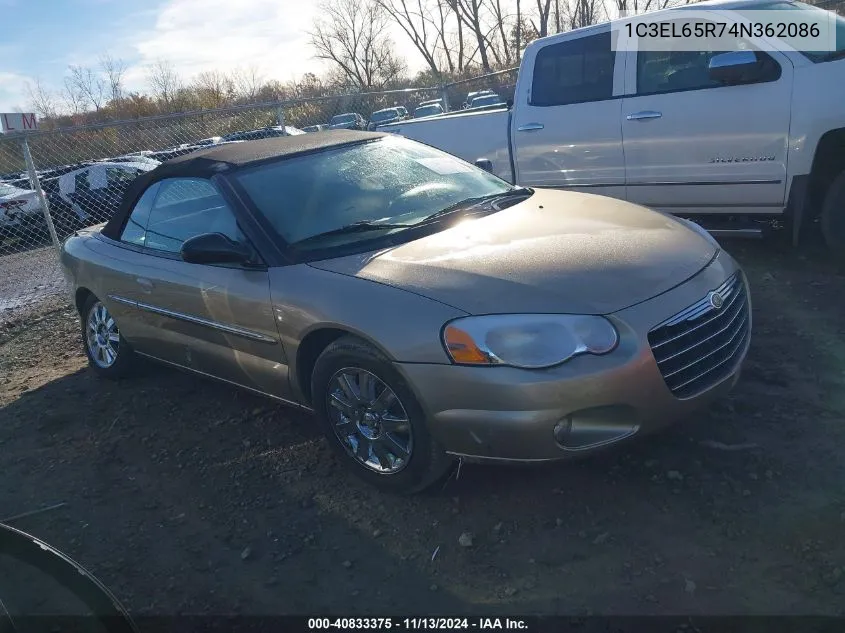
<point>381,117</point>
<point>561,322</point>
<point>315,128</point>
<point>264,132</point>
<point>403,111</point>
<point>423,111</point>
<point>599,132</point>
<point>211,140</point>
<point>488,100</point>
<point>89,195</point>
<point>438,102</point>
<point>348,121</point>
<point>472,95</point>
<point>20,215</point>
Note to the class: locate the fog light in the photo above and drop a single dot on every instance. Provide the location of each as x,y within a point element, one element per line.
<point>562,430</point>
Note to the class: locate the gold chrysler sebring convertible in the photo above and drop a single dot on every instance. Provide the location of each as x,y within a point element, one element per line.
<point>422,308</point>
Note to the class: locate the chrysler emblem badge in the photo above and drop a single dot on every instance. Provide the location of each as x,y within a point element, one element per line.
<point>716,300</point>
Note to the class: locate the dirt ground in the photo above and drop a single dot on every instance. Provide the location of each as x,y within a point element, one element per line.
<point>185,496</point>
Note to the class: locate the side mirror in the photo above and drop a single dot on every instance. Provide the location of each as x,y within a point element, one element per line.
<point>734,67</point>
<point>215,248</point>
<point>484,163</point>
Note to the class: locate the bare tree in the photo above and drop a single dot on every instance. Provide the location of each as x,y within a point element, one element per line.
<point>415,18</point>
<point>213,89</point>
<point>247,82</point>
<point>73,99</point>
<point>543,11</point>
<point>89,84</point>
<point>352,35</point>
<point>164,82</point>
<point>42,100</point>
<point>114,69</point>
<point>469,12</point>
<point>501,20</point>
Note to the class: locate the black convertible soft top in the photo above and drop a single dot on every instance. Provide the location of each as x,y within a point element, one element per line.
<point>218,159</point>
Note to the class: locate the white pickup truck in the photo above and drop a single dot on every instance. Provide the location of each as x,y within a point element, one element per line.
<point>735,140</point>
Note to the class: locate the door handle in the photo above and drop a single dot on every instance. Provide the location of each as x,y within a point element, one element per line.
<point>527,127</point>
<point>645,114</point>
<point>146,284</point>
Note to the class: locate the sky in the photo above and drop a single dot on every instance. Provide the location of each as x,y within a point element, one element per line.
<point>41,38</point>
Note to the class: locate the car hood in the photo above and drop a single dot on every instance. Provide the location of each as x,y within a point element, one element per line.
<point>554,252</point>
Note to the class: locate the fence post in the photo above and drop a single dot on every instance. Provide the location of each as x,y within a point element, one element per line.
<point>280,116</point>
<point>35,183</point>
<point>444,94</point>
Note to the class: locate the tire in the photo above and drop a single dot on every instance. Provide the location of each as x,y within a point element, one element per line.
<point>94,313</point>
<point>833,218</point>
<point>375,423</point>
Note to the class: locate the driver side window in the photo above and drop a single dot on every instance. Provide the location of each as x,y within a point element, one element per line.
<point>185,208</point>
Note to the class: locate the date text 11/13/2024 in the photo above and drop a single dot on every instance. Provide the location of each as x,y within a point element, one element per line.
<point>418,624</point>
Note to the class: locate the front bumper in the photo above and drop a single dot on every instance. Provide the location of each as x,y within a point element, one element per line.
<point>504,413</point>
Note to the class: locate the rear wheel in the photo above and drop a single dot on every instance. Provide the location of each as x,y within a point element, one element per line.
<point>833,218</point>
<point>108,353</point>
<point>372,420</point>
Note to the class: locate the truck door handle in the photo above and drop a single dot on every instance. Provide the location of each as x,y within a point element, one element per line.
<point>146,284</point>
<point>645,114</point>
<point>527,127</point>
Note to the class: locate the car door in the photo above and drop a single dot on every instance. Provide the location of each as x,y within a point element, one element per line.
<point>565,128</point>
<point>214,319</point>
<point>695,145</point>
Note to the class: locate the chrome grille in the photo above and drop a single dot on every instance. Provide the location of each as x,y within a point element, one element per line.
<point>700,346</point>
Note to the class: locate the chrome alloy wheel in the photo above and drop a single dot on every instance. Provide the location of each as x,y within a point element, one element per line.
<point>102,336</point>
<point>369,420</point>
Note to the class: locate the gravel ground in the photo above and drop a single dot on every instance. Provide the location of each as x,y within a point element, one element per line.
<point>28,278</point>
<point>185,496</point>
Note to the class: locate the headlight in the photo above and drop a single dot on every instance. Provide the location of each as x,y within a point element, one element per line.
<point>529,341</point>
<point>701,231</point>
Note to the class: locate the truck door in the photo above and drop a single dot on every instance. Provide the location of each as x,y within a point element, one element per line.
<point>694,144</point>
<point>565,128</point>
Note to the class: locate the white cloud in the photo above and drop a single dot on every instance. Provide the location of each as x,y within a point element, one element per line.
<point>13,92</point>
<point>200,35</point>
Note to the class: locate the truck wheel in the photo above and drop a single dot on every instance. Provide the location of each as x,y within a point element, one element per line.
<point>833,218</point>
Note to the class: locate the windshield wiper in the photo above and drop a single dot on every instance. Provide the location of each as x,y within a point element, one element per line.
<point>356,227</point>
<point>469,203</point>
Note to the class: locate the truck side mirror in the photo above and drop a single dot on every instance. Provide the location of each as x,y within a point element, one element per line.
<point>734,67</point>
<point>484,163</point>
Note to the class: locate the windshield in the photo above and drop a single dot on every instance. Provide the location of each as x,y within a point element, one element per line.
<point>382,115</point>
<point>343,118</point>
<point>815,56</point>
<point>428,110</point>
<point>392,180</point>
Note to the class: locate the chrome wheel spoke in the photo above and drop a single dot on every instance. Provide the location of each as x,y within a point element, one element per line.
<point>341,404</point>
<point>365,387</point>
<point>384,401</point>
<point>348,388</point>
<point>114,337</point>
<point>394,446</point>
<point>395,424</point>
<point>344,429</point>
<point>362,448</point>
<point>383,454</point>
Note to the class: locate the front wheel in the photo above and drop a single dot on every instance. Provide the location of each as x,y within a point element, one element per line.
<point>372,420</point>
<point>108,352</point>
<point>833,218</point>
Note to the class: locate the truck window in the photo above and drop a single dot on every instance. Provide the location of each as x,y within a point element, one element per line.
<point>674,71</point>
<point>574,71</point>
